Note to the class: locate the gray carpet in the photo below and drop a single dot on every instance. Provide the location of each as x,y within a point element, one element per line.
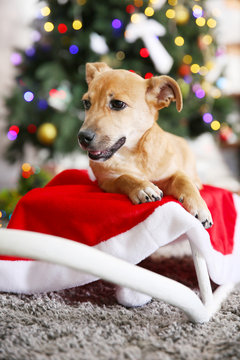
<point>87,323</point>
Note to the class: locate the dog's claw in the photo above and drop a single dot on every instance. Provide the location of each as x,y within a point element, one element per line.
<point>206,221</point>
<point>148,193</point>
<point>158,198</point>
<point>197,208</point>
<point>207,224</point>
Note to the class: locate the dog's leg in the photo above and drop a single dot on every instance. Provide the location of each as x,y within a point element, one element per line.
<point>182,188</point>
<point>138,190</point>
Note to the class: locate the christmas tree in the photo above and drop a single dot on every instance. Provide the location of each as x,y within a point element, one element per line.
<point>149,37</point>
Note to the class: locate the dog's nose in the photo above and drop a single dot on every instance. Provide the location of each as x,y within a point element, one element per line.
<point>85,137</point>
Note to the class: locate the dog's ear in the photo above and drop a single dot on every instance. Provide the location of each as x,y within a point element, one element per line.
<point>93,69</point>
<point>162,90</point>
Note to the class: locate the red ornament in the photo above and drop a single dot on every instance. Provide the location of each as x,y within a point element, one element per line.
<point>144,53</point>
<point>26,174</point>
<point>225,133</point>
<point>53,92</point>
<point>14,128</point>
<point>148,75</point>
<point>31,128</point>
<point>130,9</point>
<point>184,70</point>
<point>62,28</point>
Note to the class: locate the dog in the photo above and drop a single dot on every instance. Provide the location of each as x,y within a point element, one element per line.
<point>129,152</point>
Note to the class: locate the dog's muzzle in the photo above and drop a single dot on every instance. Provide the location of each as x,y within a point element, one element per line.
<point>86,139</point>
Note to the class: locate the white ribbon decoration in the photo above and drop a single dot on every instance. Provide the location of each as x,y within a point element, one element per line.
<point>148,31</point>
<point>98,44</point>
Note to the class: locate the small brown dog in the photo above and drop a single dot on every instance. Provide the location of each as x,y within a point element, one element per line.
<point>129,153</point>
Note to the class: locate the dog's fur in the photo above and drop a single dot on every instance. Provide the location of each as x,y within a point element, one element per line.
<point>129,153</point>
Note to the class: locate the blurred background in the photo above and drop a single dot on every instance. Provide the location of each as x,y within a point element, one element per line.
<point>45,46</point>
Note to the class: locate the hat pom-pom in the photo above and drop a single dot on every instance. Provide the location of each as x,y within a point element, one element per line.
<point>130,298</point>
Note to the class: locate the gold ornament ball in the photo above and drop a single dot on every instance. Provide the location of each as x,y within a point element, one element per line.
<point>47,133</point>
<point>181,15</point>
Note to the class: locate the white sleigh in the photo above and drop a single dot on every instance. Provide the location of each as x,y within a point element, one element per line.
<point>89,260</point>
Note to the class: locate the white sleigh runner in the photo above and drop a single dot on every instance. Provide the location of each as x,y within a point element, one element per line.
<point>64,263</point>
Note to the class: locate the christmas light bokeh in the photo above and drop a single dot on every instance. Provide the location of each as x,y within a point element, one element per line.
<point>116,24</point>
<point>48,26</point>
<point>207,118</point>
<point>28,96</point>
<point>77,24</point>
<point>73,49</point>
<point>66,37</point>
<point>12,135</point>
<point>30,51</point>
<point>42,104</point>
<point>144,52</point>
<point>62,28</point>
<point>16,58</point>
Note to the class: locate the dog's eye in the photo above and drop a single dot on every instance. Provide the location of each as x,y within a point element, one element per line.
<point>117,105</point>
<point>86,104</point>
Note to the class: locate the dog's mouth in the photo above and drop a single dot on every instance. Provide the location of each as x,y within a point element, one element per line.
<point>106,154</point>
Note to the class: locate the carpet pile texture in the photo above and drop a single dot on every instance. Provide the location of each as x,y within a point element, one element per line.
<point>86,323</point>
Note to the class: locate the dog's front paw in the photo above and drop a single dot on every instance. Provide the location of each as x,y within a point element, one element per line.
<point>145,193</point>
<point>199,209</point>
<point>205,217</point>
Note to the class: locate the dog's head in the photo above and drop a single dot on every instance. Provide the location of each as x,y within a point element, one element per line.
<point>120,107</point>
